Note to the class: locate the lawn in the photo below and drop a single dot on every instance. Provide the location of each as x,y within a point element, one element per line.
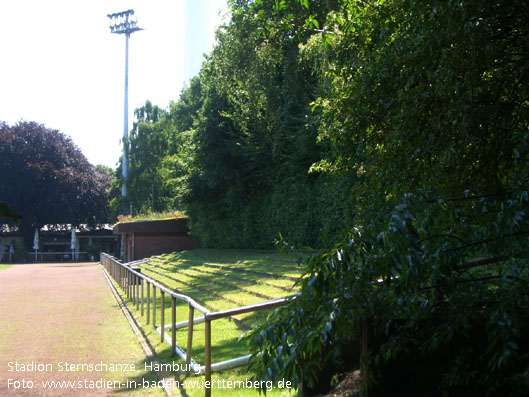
<point>4,266</point>
<point>219,280</point>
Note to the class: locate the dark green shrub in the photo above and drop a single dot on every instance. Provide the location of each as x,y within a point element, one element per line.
<point>442,282</point>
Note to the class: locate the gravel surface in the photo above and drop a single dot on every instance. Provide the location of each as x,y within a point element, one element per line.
<point>52,314</point>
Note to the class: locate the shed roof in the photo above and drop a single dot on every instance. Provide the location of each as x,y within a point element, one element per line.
<point>165,226</point>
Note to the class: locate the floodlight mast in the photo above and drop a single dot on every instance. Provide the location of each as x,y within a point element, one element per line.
<point>124,23</point>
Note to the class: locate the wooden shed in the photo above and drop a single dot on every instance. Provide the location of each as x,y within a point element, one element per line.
<point>147,238</point>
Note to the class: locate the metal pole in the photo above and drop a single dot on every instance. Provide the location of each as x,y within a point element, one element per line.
<point>142,296</point>
<point>125,159</point>
<point>148,302</point>
<point>121,24</point>
<point>173,325</point>
<point>154,306</point>
<point>136,291</point>
<point>190,338</point>
<point>207,358</point>
<point>133,285</point>
<point>162,315</point>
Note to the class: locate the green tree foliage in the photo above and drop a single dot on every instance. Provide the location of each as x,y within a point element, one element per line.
<point>47,180</point>
<point>149,140</point>
<point>159,155</point>
<point>7,212</point>
<point>236,148</point>
<point>428,96</point>
<point>255,135</point>
<point>426,101</point>
<point>407,119</point>
<point>444,299</point>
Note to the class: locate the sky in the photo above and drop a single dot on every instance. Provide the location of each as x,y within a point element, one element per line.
<point>60,65</point>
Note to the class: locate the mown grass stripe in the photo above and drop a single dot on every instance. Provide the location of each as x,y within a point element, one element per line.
<point>220,283</point>
<point>202,290</point>
<point>283,284</point>
<point>267,275</point>
<point>240,255</point>
<point>271,270</point>
<point>245,280</point>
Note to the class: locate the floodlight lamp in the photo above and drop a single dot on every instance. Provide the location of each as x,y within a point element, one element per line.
<point>123,22</point>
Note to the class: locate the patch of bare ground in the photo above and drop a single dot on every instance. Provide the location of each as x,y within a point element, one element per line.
<point>349,386</point>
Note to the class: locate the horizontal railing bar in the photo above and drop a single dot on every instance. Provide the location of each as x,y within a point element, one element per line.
<point>250,308</point>
<point>135,263</point>
<point>223,365</point>
<point>183,324</point>
<point>39,252</point>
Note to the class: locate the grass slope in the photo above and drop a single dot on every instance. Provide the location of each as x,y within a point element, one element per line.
<point>219,280</point>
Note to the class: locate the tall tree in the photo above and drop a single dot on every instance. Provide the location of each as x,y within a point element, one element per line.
<point>427,96</point>
<point>149,140</point>
<point>427,102</point>
<point>159,153</point>
<point>47,179</point>
<point>255,137</point>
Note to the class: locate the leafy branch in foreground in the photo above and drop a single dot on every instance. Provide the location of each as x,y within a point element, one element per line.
<point>462,306</point>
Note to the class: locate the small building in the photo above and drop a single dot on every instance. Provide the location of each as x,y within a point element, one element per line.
<point>147,238</point>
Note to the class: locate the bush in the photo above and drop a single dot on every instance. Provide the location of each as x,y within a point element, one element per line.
<point>442,283</point>
<point>306,211</point>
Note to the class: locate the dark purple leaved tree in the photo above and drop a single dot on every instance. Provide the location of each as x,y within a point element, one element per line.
<point>47,179</point>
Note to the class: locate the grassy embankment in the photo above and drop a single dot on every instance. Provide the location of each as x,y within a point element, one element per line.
<point>220,280</point>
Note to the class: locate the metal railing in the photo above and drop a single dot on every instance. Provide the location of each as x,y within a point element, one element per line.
<point>137,287</point>
<point>59,256</point>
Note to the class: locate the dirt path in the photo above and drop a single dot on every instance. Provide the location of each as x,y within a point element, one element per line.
<point>53,314</point>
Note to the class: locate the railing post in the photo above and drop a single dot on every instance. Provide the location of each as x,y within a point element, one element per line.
<point>136,290</point>
<point>133,287</point>
<point>207,364</point>
<point>189,338</point>
<point>162,315</point>
<point>142,281</point>
<point>148,302</point>
<point>129,284</point>
<point>154,306</point>
<point>173,325</point>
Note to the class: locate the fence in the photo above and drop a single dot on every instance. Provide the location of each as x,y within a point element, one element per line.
<point>67,256</point>
<point>137,287</point>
